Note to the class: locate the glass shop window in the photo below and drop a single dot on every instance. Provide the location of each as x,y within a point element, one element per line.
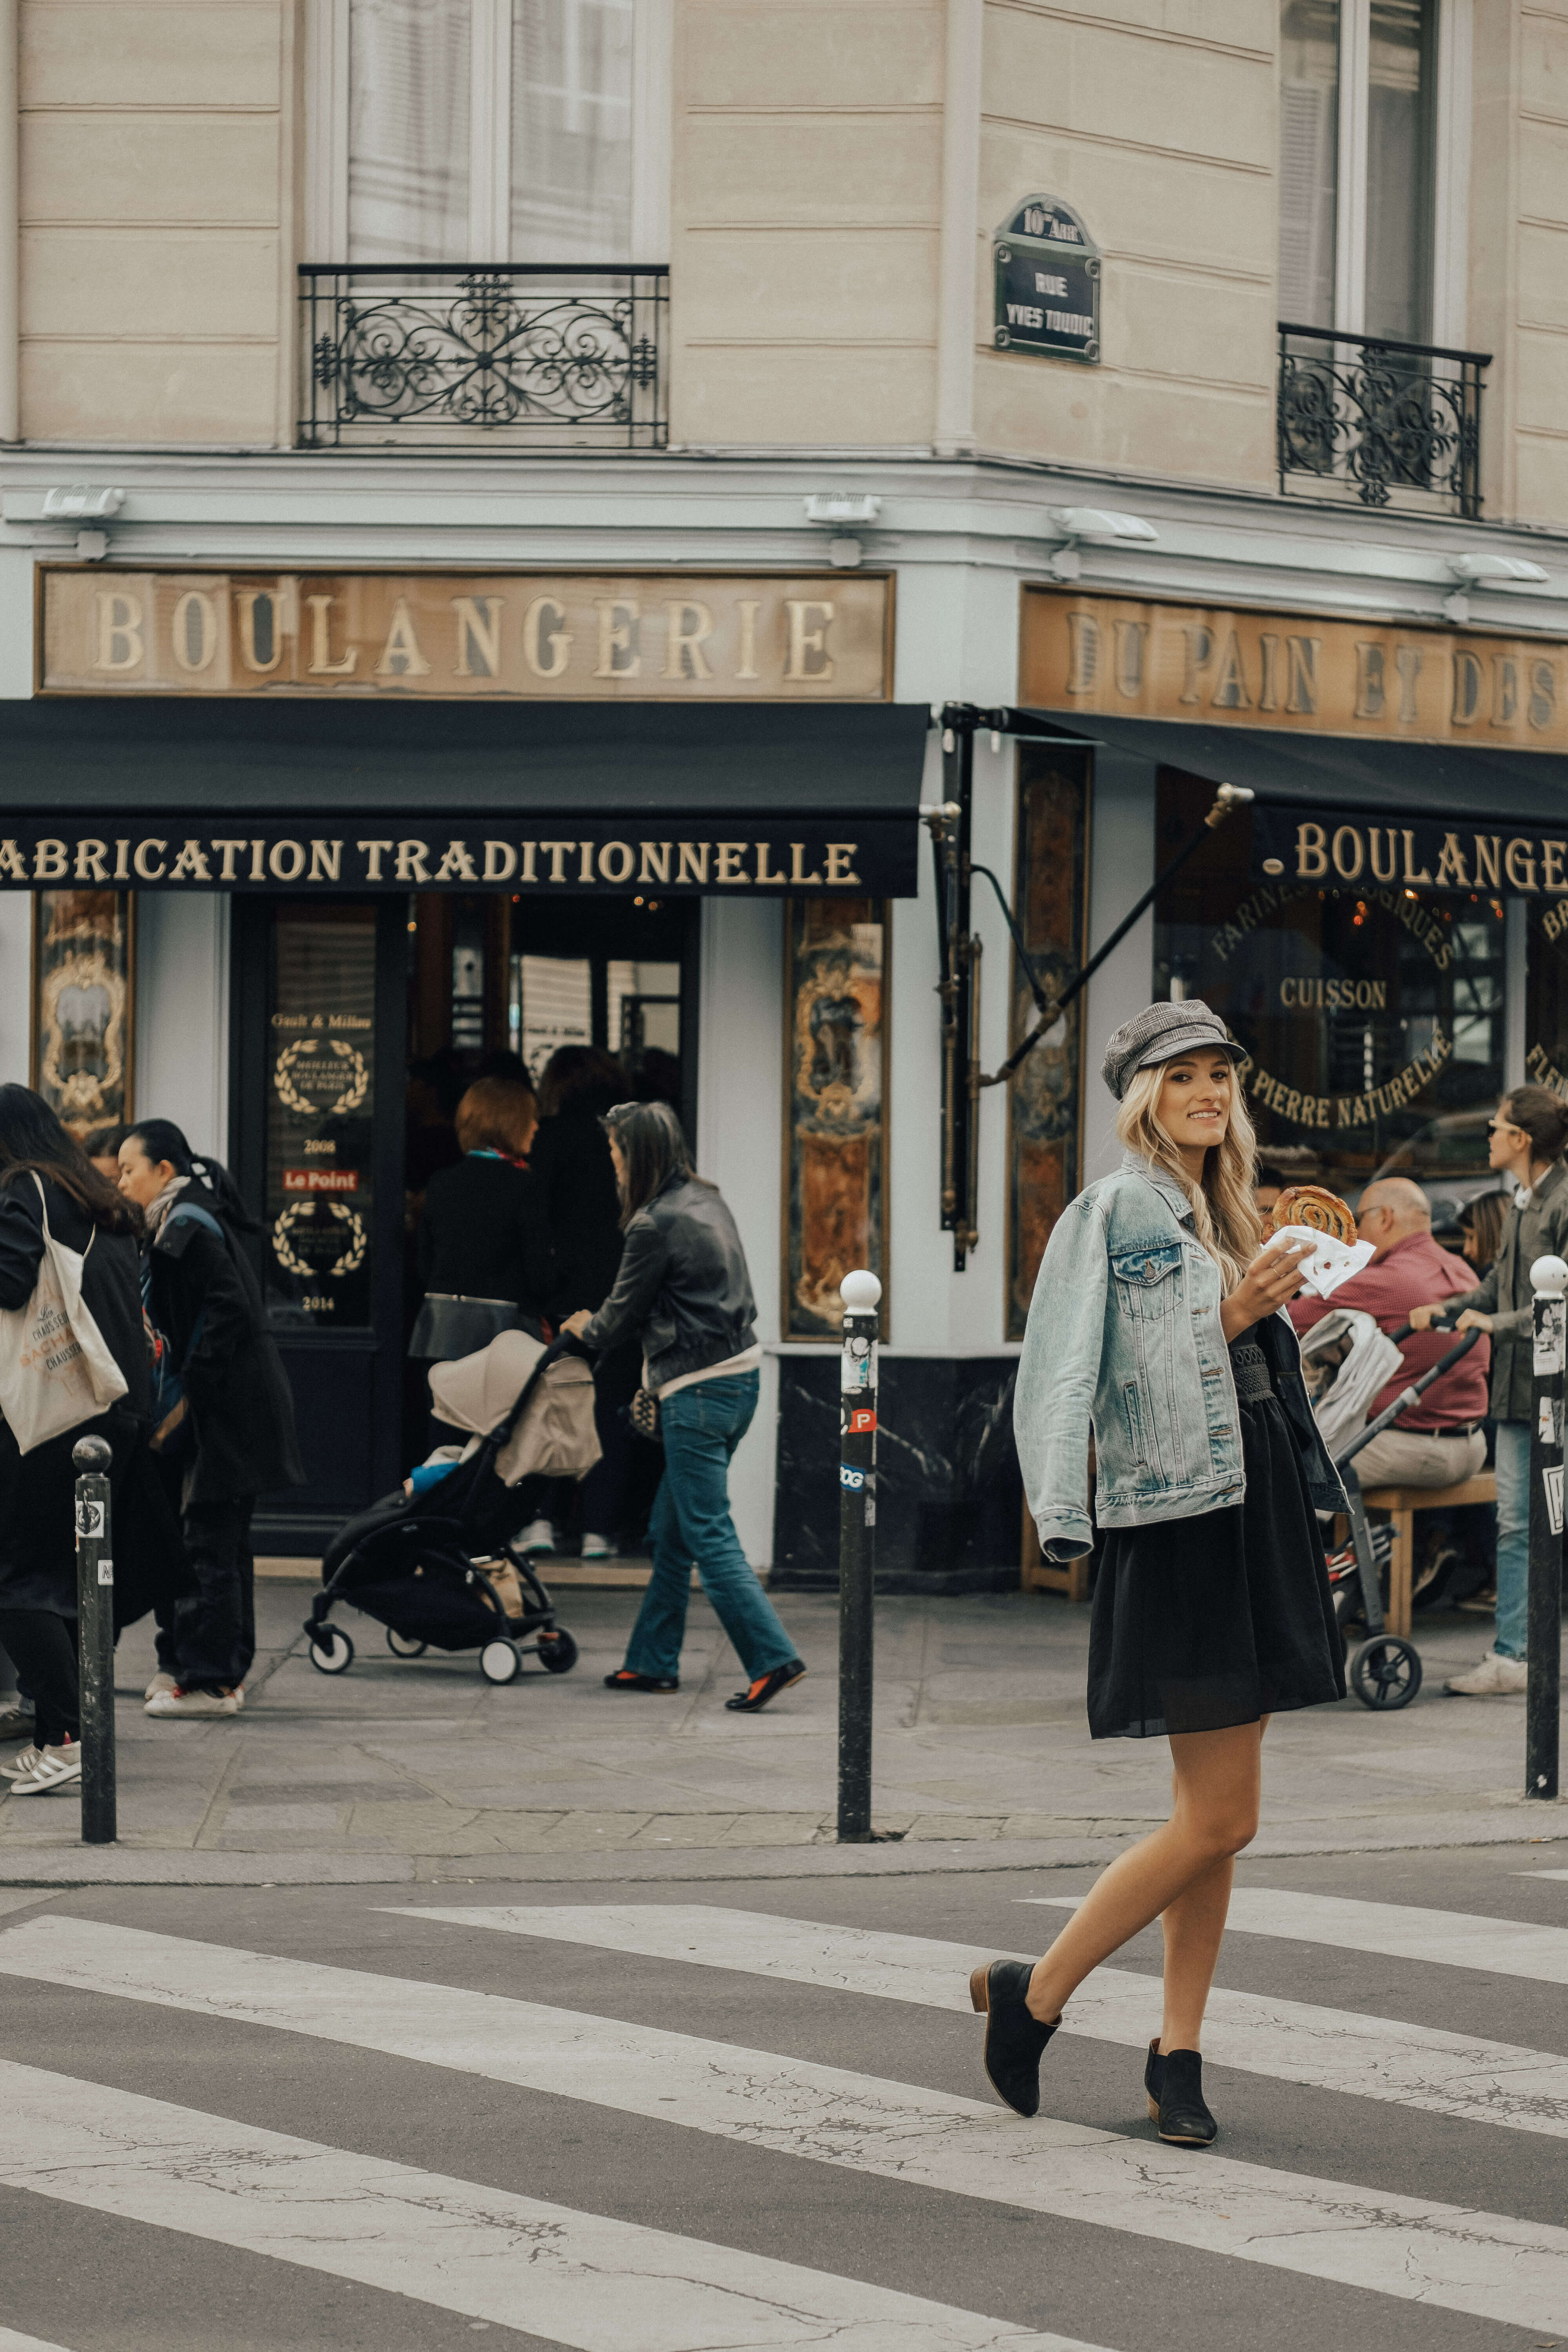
<point>1546,999</point>
<point>321,1061</point>
<point>1375,1018</point>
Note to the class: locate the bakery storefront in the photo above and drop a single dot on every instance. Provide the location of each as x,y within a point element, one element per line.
<point>1385,929</point>
<point>451,818</point>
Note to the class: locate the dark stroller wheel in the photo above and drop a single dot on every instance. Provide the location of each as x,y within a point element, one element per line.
<point>404,1645</point>
<point>331,1652</point>
<point>557,1651</point>
<point>1385,1672</point>
<point>500,1662</point>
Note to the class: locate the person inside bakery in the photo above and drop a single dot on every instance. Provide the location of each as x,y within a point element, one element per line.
<point>1154,1322</point>
<point>1526,1140</point>
<point>1267,1187</point>
<point>1439,1441</point>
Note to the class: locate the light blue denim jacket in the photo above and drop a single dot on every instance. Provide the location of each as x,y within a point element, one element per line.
<point>1124,1334</point>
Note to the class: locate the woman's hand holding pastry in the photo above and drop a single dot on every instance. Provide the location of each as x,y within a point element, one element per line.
<point>1273,1275</point>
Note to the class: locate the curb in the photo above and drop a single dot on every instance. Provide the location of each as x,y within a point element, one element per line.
<point>129,1866</point>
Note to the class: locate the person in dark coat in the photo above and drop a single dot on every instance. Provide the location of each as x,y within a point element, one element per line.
<point>38,1514</point>
<point>581,1203</point>
<point>232,1431</point>
<point>482,1240</point>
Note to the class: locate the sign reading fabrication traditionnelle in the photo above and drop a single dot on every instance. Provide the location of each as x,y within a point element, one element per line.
<point>568,636</point>
<point>783,856</point>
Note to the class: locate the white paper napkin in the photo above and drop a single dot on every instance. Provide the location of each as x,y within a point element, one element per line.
<point>1331,1261</point>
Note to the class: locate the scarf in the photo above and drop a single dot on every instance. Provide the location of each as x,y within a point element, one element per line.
<point>156,1211</point>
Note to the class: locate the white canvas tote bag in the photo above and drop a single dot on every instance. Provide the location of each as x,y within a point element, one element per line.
<point>55,1371</point>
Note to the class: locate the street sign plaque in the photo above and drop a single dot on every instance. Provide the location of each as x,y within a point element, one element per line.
<point>1048,283</point>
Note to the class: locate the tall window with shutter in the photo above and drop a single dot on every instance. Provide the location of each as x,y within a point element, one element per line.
<point>454,131</point>
<point>1358,165</point>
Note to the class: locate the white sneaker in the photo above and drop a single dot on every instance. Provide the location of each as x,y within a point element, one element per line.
<point>160,1682</point>
<point>19,1766</point>
<point>598,1548</point>
<point>1494,1675</point>
<point>194,1702</point>
<point>56,1767</point>
<point>18,1722</point>
<point>539,1537</point>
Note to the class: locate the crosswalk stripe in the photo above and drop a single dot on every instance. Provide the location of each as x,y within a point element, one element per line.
<point>1292,2041</point>
<point>1540,1874</point>
<point>1487,2265</point>
<point>11,2342</point>
<point>581,2279</point>
<point>1397,1931</point>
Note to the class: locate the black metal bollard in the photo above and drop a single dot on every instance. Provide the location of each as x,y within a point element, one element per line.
<point>95,1638</point>
<point>856,1552</point>
<point>1549,1280</point>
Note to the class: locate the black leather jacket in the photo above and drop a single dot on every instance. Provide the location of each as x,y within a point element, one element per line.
<point>682,1287</point>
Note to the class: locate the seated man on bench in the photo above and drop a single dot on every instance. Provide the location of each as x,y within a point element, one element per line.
<point>1440,1442</point>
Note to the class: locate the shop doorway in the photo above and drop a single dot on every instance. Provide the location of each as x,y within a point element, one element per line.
<point>357,1024</point>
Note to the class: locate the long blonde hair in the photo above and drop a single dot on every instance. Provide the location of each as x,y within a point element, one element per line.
<point>1224,1214</point>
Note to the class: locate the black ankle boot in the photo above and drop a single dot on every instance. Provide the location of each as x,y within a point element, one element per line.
<point>1015,2041</point>
<point>1175,2082</point>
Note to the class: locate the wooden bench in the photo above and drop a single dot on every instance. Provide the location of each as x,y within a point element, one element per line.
<point>1402,1503</point>
<point>1037,1575</point>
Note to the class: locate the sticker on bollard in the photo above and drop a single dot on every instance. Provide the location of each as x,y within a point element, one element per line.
<point>1552,1479</point>
<point>848,1477</point>
<point>1549,1336</point>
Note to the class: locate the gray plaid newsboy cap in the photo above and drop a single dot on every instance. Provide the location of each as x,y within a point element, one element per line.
<point>1162,1034</point>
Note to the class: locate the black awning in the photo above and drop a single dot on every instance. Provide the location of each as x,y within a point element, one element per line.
<point>174,794</point>
<point>165,755</point>
<point>1460,782</point>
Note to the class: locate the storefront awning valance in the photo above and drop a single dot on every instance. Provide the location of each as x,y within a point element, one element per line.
<point>1468,818</point>
<point>1461,783</point>
<point>170,792</point>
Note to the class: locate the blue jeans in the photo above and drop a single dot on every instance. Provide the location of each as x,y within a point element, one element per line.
<point>701,1427</point>
<point>1512,1538</point>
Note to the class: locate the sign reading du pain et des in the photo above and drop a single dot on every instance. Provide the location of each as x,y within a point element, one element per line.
<point>571,635</point>
<point>1370,681</point>
<point>869,856</point>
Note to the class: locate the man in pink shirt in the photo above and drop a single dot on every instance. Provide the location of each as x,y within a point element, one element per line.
<point>1439,1441</point>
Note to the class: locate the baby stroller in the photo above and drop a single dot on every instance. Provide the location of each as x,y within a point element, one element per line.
<point>440,1566</point>
<point>1385,1672</point>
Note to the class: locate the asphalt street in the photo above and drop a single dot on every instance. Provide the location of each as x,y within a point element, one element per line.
<point>658,2118</point>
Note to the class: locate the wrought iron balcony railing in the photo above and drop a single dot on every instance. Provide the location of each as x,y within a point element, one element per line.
<point>1393,425</point>
<point>551,357</point>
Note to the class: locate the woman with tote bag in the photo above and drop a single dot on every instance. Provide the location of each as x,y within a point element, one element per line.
<point>66,1244</point>
<point>230,1436</point>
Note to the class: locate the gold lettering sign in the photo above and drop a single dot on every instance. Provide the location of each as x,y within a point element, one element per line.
<point>562,635</point>
<point>1103,656</point>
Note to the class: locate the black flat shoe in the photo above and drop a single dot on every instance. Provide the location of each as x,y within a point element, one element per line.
<point>756,1697</point>
<point>1174,2082</point>
<point>625,1680</point>
<point>1015,2041</point>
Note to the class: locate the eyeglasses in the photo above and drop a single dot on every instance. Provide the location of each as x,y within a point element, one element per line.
<point>1495,1127</point>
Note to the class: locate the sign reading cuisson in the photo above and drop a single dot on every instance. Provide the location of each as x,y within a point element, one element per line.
<point>571,635</point>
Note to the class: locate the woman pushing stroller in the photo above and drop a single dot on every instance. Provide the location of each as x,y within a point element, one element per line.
<point>683,1289</point>
<point>1157,1318</point>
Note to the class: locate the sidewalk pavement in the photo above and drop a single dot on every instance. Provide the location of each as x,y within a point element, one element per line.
<point>419,1769</point>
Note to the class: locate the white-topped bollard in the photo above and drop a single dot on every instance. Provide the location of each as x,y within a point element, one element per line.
<point>861,1293</point>
<point>1544,1638</point>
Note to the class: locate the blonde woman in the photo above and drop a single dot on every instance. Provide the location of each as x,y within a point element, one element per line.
<point>1157,1319</point>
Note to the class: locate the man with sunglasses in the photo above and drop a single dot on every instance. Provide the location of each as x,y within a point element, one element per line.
<point>1527,1139</point>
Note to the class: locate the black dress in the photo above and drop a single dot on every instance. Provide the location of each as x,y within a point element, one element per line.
<point>1204,1622</point>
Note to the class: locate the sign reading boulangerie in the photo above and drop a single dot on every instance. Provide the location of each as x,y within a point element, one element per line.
<point>568,636</point>
<point>1341,848</point>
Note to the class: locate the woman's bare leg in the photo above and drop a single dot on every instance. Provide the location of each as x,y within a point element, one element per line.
<point>1214,1814</point>
<point>1193,1927</point>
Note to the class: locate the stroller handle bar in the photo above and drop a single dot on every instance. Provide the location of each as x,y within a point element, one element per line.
<point>1407,1397</point>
